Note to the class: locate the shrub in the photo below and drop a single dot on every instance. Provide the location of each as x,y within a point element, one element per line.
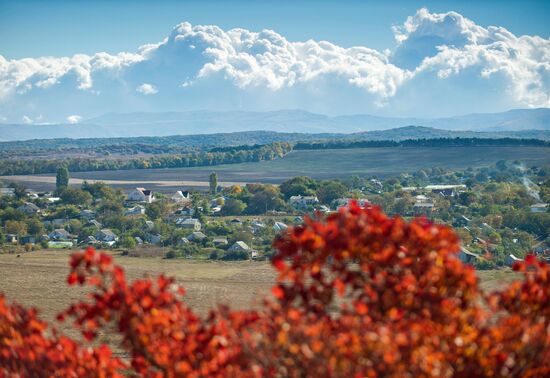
<point>358,294</point>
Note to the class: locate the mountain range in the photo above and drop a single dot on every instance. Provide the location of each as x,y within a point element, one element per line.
<point>290,121</point>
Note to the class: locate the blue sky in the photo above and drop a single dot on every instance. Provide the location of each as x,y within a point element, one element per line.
<point>65,61</point>
<point>66,27</point>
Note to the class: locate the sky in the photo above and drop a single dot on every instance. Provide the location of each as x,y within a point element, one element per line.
<point>65,61</point>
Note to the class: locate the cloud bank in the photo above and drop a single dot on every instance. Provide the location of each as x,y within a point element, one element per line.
<point>442,64</point>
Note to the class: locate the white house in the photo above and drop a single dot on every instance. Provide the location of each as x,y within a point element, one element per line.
<point>303,201</point>
<point>181,196</point>
<point>141,195</point>
<point>279,226</point>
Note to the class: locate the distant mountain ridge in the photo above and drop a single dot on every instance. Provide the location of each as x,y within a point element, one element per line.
<point>287,121</point>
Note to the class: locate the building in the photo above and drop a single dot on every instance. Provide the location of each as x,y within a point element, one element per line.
<point>141,195</point>
<point>423,208</point>
<point>181,196</point>
<point>60,234</point>
<point>190,224</point>
<point>279,226</point>
<point>467,257</point>
<point>153,238</point>
<point>445,190</point>
<point>106,236</point>
<point>134,211</point>
<point>303,201</point>
<point>196,236</point>
<point>94,223</point>
<point>239,246</point>
<point>539,208</point>
<point>219,241</point>
<point>7,192</point>
<point>87,214</point>
<point>29,208</point>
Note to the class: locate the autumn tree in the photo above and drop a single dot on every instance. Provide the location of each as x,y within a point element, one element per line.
<point>358,294</point>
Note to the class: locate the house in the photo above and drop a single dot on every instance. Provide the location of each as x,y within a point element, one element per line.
<point>141,195</point>
<point>183,241</point>
<point>303,201</point>
<point>257,226</point>
<point>423,208</point>
<point>511,260</point>
<point>445,190</point>
<point>87,214</point>
<point>11,238</point>
<point>253,254</point>
<point>196,236</point>
<point>60,234</point>
<point>239,246</point>
<point>106,236</point>
<point>467,257</point>
<point>28,239</point>
<point>323,209</point>
<point>190,223</point>
<point>7,192</point>
<point>219,241</point>
<point>342,202</point>
<point>236,222</point>
<point>139,241</point>
<point>136,210</point>
<point>149,225</point>
<point>153,238</point>
<point>90,240</point>
<point>29,208</point>
<point>279,226</point>
<point>94,223</point>
<point>181,196</point>
<point>539,208</point>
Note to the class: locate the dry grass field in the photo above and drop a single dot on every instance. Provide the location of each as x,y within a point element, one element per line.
<point>38,279</point>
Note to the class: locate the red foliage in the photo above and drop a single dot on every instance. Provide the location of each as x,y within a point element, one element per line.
<point>358,294</point>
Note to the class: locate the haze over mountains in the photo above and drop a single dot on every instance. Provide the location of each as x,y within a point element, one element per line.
<point>294,121</point>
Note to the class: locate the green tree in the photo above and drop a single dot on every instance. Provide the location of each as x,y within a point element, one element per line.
<point>75,196</point>
<point>331,190</point>
<point>35,227</point>
<point>298,186</point>
<point>127,241</point>
<point>233,207</point>
<point>62,178</point>
<point>213,182</point>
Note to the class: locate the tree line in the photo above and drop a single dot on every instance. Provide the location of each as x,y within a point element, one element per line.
<point>192,159</point>
<point>432,142</point>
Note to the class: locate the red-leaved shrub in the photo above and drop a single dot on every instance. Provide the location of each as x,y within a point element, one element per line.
<point>358,294</point>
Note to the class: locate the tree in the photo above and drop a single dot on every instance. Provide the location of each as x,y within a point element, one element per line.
<point>298,186</point>
<point>357,294</point>
<point>264,198</point>
<point>74,196</point>
<point>233,207</point>
<point>128,242</point>
<point>62,178</point>
<point>331,190</point>
<point>16,227</point>
<point>35,227</point>
<point>213,182</point>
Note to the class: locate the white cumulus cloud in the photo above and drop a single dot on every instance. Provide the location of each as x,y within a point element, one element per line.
<point>72,119</point>
<point>147,89</point>
<point>442,64</point>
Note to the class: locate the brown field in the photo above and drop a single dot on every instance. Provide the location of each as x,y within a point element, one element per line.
<point>39,279</point>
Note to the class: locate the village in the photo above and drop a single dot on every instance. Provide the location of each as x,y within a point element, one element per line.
<point>240,223</point>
